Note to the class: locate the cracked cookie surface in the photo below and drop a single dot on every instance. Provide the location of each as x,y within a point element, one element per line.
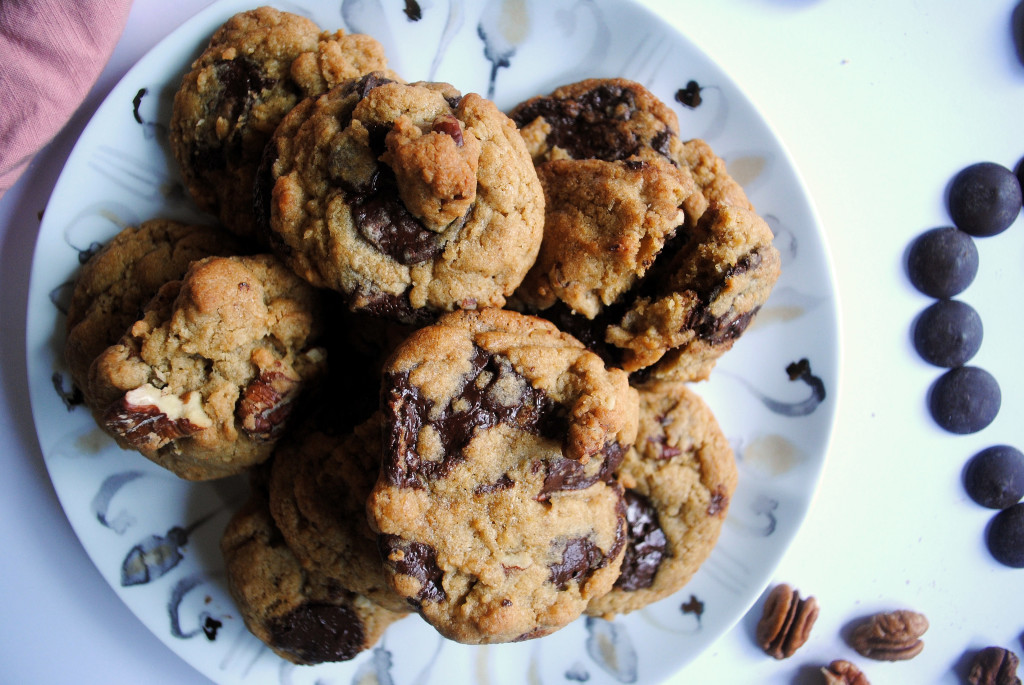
<point>679,479</point>
<point>495,514</point>
<point>204,382</point>
<point>409,199</point>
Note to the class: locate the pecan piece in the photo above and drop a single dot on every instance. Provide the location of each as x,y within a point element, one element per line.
<point>994,666</point>
<point>786,622</point>
<point>842,672</point>
<point>266,403</point>
<point>146,419</point>
<point>892,636</point>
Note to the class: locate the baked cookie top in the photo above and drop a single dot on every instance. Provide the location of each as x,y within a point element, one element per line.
<point>496,517</point>
<point>204,382</point>
<point>652,253</point>
<point>605,224</point>
<point>257,66</point>
<point>679,479</point>
<point>304,617</point>
<point>318,491</point>
<point>116,282</point>
<point>409,199</point>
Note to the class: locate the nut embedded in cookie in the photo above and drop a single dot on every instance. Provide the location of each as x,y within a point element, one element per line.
<point>203,384</point>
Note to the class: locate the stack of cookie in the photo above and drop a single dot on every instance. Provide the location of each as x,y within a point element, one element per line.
<point>451,346</point>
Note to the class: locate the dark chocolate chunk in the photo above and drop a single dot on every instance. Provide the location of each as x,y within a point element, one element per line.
<point>503,483</point>
<point>984,199</point>
<point>593,126</point>
<point>568,474</point>
<point>645,546</point>
<point>1006,536</point>
<point>380,216</point>
<point>580,557</point>
<point>240,82</point>
<point>417,560</point>
<point>477,407</point>
<point>948,333</point>
<point>942,262</point>
<point>316,632</point>
<point>994,477</point>
<point>965,399</point>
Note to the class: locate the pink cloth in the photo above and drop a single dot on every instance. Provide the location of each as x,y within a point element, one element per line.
<point>51,52</point>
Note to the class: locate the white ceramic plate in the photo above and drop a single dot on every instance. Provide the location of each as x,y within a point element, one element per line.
<point>155,538</point>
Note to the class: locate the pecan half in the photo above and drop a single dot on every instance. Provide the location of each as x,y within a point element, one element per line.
<point>266,403</point>
<point>892,636</point>
<point>994,666</point>
<point>146,419</point>
<point>786,622</point>
<point>842,672</point>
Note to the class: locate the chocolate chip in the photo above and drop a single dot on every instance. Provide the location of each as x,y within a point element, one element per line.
<point>316,633</point>
<point>240,81</point>
<point>474,406</point>
<point>503,483</point>
<point>568,474</point>
<point>393,307</point>
<point>381,218</point>
<point>646,544</point>
<point>580,557</point>
<point>417,560</point>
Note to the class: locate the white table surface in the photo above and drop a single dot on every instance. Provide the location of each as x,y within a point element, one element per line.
<point>880,103</point>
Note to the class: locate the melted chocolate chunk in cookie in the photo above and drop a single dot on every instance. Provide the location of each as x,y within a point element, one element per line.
<point>477,405</point>
<point>569,474</point>
<point>580,558</point>
<point>384,221</point>
<point>417,560</point>
<point>592,126</point>
<point>646,544</point>
<point>319,632</point>
<point>240,82</point>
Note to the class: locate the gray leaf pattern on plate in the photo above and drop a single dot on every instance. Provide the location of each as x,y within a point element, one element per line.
<point>208,623</point>
<point>797,371</point>
<point>609,645</point>
<point>375,670</point>
<point>156,555</point>
<point>504,25</point>
<point>71,398</point>
<point>100,504</point>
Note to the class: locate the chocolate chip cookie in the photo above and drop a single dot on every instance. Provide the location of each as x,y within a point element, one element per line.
<point>304,617</point>
<point>409,199</point>
<point>630,264</point>
<point>678,480</point>
<point>121,278</point>
<point>318,490</point>
<point>496,513</point>
<point>257,66</point>
<point>204,382</point>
